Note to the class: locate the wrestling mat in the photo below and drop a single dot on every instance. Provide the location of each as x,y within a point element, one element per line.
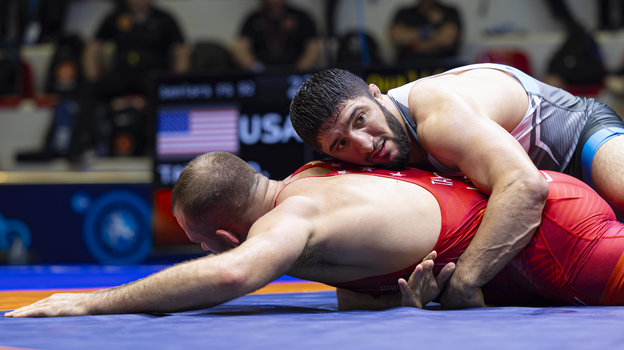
<point>288,314</point>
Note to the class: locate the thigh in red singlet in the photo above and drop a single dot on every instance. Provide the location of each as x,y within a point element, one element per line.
<point>575,257</point>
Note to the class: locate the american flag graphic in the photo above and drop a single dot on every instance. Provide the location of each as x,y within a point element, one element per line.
<point>192,131</point>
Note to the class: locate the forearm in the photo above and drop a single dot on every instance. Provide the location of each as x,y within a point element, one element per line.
<point>181,58</point>
<point>91,60</point>
<point>242,53</point>
<point>443,38</point>
<point>186,286</point>
<point>509,221</point>
<point>403,35</point>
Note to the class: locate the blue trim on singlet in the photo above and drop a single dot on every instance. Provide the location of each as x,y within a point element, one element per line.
<point>591,147</point>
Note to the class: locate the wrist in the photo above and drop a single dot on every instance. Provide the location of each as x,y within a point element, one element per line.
<point>463,282</point>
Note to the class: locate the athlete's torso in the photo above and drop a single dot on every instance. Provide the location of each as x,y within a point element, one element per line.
<point>461,206</point>
<point>548,132</point>
<point>559,264</point>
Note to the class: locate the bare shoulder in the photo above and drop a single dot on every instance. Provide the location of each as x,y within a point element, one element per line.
<point>470,94</point>
<point>300,205</point>
<point>432,88</point>
<point>295,215</point>
<point>434,96</point>
<point>322,196</point>
<point>469,81</point>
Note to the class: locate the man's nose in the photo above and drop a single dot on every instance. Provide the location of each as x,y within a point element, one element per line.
<point>363,142</point>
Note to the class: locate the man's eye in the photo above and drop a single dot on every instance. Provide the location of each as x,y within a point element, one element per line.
<point>341,144</point>
<point>359,121</point>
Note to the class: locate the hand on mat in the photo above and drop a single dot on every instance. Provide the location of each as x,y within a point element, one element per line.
<point>422,286</point>
<point>61,304</point>
<point>459,296</point>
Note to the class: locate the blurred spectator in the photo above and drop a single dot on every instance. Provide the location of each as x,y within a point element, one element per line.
<point>577,65</point>
<point>357,50</point>
<point>610,14</point>
<point>64,82</point>
<point>32,21</point>
<point>64,76</point>
<point>10,63</point>
<point>276,36</point>
<point>147,39</point>
<point>211,57</point>
<point>425,32</point>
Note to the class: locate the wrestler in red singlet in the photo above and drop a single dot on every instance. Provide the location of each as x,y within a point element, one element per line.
<point>575,257</point>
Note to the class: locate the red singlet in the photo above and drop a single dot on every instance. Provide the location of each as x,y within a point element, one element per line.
<point>575,257</point>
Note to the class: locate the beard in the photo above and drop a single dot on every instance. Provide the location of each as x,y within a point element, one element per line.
<point>399,137</point>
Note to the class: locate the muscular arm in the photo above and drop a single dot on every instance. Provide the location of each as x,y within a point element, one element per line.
<point>195,284</point>
<point>191,285</point>
<point>456,129</point>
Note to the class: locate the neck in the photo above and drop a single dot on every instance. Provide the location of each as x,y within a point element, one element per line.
<point>417,154</point>
<point>265,194</point>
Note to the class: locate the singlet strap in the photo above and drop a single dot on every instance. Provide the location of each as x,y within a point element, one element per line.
<point>410,123</point>
<point>313,164</point>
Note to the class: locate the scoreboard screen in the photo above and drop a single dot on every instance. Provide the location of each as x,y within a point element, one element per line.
<point>243,114</point>
<point>246,115</point>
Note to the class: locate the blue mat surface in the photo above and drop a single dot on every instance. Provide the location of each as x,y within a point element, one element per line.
<point>311,321</point>
<point>296,321</point>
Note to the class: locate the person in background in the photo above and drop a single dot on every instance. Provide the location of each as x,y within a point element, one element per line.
<point>426,32</point>
<point>277,36</point>
<point>610,14</point>
<point>147,39</point>
<point>577,65</point>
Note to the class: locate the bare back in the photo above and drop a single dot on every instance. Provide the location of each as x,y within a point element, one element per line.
<point>365,226</point>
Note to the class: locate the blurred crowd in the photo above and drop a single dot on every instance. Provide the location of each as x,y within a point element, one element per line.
<point>96,94</point>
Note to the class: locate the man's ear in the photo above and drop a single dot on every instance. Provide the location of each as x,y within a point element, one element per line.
<point>374,90</point>
<point>229,236</point>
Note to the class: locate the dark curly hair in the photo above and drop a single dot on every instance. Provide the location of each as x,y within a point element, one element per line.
<point>320,99</point>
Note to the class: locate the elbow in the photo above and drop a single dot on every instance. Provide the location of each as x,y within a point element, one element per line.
<point>224,278</point>
<point>534,190</point>
<point>233,279</point>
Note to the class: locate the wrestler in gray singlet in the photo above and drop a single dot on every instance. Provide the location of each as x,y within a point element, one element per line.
<point>554,129</point>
